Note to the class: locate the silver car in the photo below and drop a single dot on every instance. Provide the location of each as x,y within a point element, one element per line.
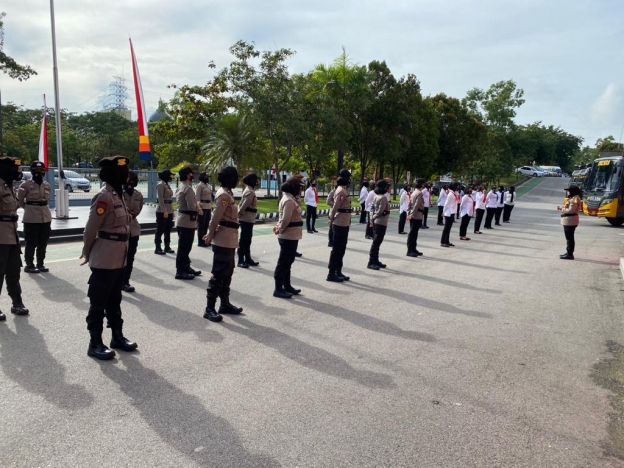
<point>73,181</point>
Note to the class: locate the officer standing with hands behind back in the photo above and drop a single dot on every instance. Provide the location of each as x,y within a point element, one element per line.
<point>33,196</point>
<point>340,220</point>
<point>10,260</point>
<point>105,250</point>
<point>188,209</point>
<point>203,193</point>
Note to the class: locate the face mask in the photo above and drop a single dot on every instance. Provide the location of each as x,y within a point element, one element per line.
<point>313,185</point>
<point>38,178</point>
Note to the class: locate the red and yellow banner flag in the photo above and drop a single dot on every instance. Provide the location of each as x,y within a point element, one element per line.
<point>145,152</point>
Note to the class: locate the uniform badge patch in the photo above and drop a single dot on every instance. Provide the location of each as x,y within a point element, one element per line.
<point>224,202</point>
<point>101,208</point>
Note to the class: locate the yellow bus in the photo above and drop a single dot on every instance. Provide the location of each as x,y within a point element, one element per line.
<point>604,190</point>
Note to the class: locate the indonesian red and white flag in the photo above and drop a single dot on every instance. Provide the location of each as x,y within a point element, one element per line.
<point>43,137</point>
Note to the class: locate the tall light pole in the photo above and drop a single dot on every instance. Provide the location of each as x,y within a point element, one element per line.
<point>62,202</point>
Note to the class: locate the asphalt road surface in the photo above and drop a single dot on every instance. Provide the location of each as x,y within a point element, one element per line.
<point>477,356</point>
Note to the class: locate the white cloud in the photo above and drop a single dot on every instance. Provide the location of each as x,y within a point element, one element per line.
<point>607,107</point>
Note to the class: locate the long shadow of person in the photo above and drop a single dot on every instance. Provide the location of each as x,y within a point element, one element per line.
<point>181,420</point>
<point>364,321</point>
<point>56,289</point>
<point>173,318</point>
<point>309,356</point>
<point>26,360</point>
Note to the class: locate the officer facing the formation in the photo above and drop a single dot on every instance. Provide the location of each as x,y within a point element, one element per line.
<point>203,193</point>
<point>33,196</point>
<point>105,250</point>
<point>289,230</point>
<point>223,235</point>
<point>10,260</point>
<point>340,220</point>
<point>188,209</point>
<point>330,203</point>
<point>164,212</point>
<point>247,209</point>
<point>380,214</point>
<point>134,202</point>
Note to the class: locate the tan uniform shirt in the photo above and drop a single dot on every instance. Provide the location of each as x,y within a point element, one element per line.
<point>289,212</point>
<point>247,208</point>
<point>186,203</point>
<point>164,194</point>
<point>108,215</point>
<point>8,211</point>
<point>330,198</point>
<point>224,210</point>
<point>34,199</point>
<point>570,211</point>
<point>416,207</point>
<point>342,201</point>
<point>134,203</point>
<point>380,210</point>
<point>203,193</point>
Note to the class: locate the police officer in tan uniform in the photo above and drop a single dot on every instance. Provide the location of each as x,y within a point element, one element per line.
<point>33,196</point>
<point>247,209</point>
<point>164,212</point>
<point>415,215</point>
<point>134,202</point>
<point>289,230</point>
<point>10,260</point>
<point>223,235</point>
<point>105,250</point>
<point>570,219</point>
<point>188,210</point>
<point>330,203</point>
<point>203,193</point>
<point>340,220</point>
<point>379,214</point>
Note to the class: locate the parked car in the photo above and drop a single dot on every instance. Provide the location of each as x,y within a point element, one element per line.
<point>84,165</point>
<point>528,171</point>
<point>73,181</point>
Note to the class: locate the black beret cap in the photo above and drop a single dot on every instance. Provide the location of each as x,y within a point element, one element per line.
<point>37,165</point>
<point>10,160</point>
<point>114,161</point>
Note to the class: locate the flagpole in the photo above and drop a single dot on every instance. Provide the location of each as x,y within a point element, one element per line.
<point>62,203</point>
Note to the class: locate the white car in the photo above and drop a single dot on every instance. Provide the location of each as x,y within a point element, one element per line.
<point>73,181</point>
<point>528,171</point>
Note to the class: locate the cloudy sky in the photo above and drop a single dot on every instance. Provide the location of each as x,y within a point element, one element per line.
<point>565,54</point>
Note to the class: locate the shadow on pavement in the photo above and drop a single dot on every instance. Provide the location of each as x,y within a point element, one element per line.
<point>26,360</point>
<point>362,320</point>
<point>309,356</point>
<point>181,420</point>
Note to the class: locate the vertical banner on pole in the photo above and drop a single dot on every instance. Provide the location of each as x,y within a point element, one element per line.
<point>43,137</point>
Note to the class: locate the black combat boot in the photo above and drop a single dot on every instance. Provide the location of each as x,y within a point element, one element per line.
<point>193,272</point>
<point>184,275</point>
<point>227,308</point>
<point>128,288</point>
<point>280,292</point>
<point>241,260</point>
<point>380,265</point>
<point>333,277</point>
<point>566,256</point>
<point>372,265</point>
<point>210,313</point>
<point>18,307</point>
<point>169,249</point>
<point>343,276</point>
<point>2,316</point>
<point>31,269</point>
<point>159,250</point>
<point>291,290</point>
<point>97,349</point>
<point>118,341</point>
<point>249,261</point>
<point>42,268</point>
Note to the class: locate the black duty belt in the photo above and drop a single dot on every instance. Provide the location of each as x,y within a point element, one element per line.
<point>112,236</point>
<point>167,202</point>
<point>38,203</point>
<point>9,218</point>
<point>188,212</point>
<point>295,224</point>
<point>344,210</point>
<point>567,215</point>
<point>229,224</point>
<point>421,211</point>
<point>385,213</point>
<point>252,210</point>
<point>206,201</point>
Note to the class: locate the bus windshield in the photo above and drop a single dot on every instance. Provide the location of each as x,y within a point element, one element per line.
<point>605,177</point>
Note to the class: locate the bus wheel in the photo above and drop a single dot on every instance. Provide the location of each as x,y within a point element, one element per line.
<point>615,221</point>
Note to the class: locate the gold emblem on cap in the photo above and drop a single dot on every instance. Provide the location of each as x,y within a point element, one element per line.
<point>18,162</point>
<point>122,162</point>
